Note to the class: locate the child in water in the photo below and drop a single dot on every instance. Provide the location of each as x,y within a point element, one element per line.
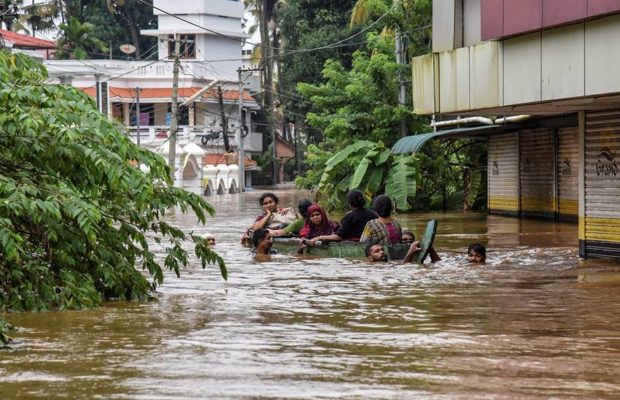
<point>476,253</point>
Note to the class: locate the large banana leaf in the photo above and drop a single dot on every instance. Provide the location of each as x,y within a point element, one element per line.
<point>362,168</point>
<point>383,157</point>
<point>332,163</point>
<point>374,182</point>
<point>401,181</point>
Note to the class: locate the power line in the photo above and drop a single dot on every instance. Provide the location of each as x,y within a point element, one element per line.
<point>284,51</point>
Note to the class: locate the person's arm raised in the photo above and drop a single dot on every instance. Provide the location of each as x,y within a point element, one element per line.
<point>413,248</point>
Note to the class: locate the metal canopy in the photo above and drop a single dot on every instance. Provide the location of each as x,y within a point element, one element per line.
<point>412,144</point>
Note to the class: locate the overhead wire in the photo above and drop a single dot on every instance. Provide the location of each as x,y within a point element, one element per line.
<point>284,50</point>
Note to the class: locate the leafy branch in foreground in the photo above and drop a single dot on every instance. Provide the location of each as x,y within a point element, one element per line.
<point>76,215</point>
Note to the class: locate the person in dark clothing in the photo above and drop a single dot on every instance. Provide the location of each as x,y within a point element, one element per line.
<point>352,224</point>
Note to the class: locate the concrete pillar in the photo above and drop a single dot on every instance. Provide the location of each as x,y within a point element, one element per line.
<point>126,114</point>
<point>582,184</point>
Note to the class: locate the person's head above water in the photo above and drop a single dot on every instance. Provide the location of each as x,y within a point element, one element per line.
<point>261,239</point>
<point>382,205</point>
<point>407,236</point>
<point>303,205</point>
<point>374,252</point>
<point>476,253</point>
<point>209,238</point>
<point>356,199</point>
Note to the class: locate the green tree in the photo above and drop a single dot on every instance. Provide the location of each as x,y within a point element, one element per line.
<point>39,17</point>
<point>360,103</point>
<point>129,16</point>
<point>9,12</point>
<point>76,215</point>
<point>306,24</point>
<point>77,40</point>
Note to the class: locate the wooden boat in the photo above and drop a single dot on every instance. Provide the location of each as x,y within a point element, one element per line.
<point>346,249</point>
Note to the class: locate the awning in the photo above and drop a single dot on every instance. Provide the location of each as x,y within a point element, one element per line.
<point>412,144</point>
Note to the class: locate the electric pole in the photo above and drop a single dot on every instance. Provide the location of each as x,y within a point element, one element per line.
<point>223,119</point>
<point>138,116</point>
<point>174,123</point>
<point>240,150</point>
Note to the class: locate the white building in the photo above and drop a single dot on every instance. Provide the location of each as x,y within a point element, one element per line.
<point>211,40</point>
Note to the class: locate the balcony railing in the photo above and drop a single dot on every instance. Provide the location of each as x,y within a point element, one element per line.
<point>209,136</point>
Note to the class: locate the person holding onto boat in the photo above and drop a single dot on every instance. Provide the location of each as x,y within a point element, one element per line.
<point>262,241</point>
<point>376,253</point>
<point>384,229</point>
<point>352,225</point>
<point>294,227</point>
<point>407,236</point>
<point>316,224</point>
<point>272,216</point>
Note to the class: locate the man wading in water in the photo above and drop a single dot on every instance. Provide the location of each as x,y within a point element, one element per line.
<point>262,241</point>
<point>375,253</point>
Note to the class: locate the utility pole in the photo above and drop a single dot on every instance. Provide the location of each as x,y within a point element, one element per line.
<point>240,150</point>
<point>174,123</point>
<point>138,116</point>
<point>223,119</point>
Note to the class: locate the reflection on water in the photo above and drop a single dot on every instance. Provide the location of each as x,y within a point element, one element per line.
<point>532,323</point>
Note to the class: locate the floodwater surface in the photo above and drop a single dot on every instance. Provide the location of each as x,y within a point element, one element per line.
<point>533,323</point>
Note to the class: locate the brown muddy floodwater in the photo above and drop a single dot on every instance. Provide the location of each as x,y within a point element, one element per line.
<point>533,323</point>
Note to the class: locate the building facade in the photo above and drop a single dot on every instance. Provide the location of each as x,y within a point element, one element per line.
<point>210,38</point>
<point>549,72</point>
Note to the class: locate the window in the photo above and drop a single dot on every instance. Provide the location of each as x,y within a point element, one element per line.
<point>188,46</point>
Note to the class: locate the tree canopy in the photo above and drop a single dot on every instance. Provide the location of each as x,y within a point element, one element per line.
<point>76,213</point>
<point>356,108</point>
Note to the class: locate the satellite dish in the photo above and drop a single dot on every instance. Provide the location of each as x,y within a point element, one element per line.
<point>127,48</point>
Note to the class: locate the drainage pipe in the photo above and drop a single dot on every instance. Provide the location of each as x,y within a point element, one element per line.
<point>480,120</point>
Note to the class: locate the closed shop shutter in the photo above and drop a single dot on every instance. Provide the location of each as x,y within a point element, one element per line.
<point>568,173</point>
<point>503,173</point>
<point>537,169</point>
<point>602,184</point>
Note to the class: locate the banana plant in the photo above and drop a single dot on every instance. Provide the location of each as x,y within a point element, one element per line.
<point>370,167</point>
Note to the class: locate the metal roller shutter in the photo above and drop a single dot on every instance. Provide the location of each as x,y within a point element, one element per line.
<point>503,173</point>
<point>568,173</point>
<point>602,184</point>
<point>537,169</point>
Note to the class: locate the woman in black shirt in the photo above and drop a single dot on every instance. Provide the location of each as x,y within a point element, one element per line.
<point>352,224</point>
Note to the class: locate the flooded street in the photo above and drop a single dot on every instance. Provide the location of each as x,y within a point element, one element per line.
<point>534,322</point>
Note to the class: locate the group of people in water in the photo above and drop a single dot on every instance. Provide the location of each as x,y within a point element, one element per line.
<point>375,226</point>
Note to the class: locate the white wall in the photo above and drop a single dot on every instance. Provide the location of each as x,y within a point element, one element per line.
<point>225,8</point>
